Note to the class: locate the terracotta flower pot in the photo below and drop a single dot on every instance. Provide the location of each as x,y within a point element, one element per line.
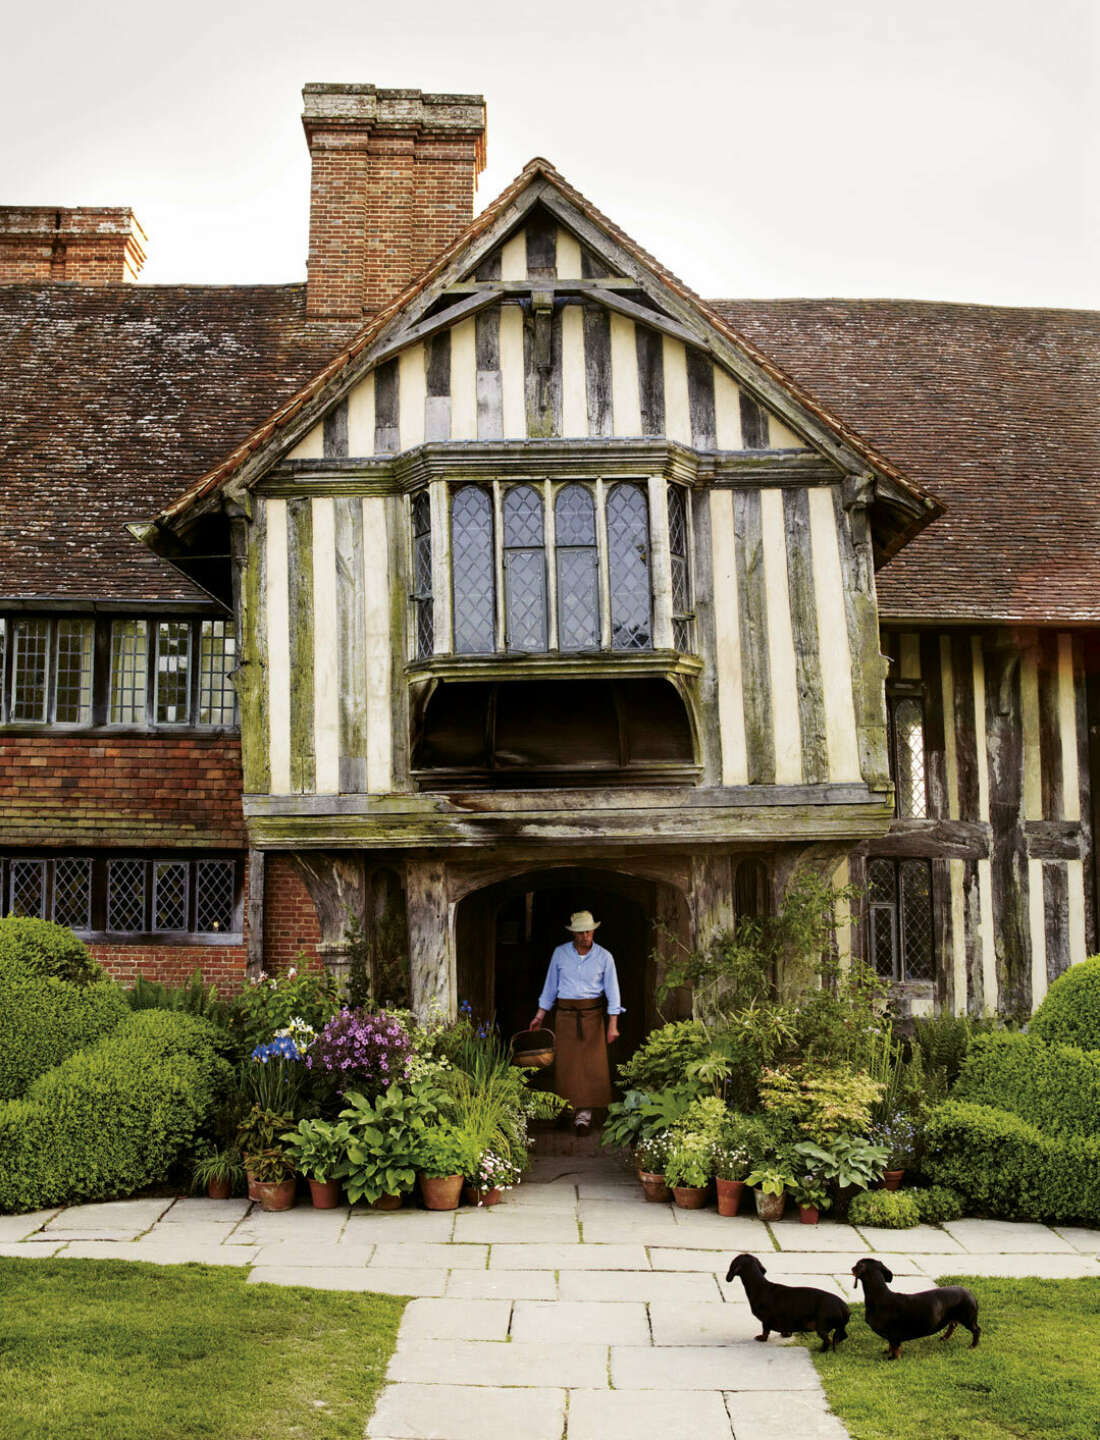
<point>808,1214</point>
<point>441,1192</point>
<point>729,1196</point>
<point>690,1197</point>
<point>471,1195</point>
<point>219,1189</point>
<point>387,1202</point>
<point>276,1194</point>
<point>891,1179</point>
<point>326,1193</point>
<point>656,1191</point>
<point>253,1185</point>
<point>770,1207</point>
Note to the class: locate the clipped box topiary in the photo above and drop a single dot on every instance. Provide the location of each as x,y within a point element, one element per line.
<point>888,1209</point>
<point>1070,1013</point>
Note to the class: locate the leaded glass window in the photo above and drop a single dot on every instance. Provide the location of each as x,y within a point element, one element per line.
<point>678,553</point>
<point>628,566</point>
<point>422,574</point>
<point>524,569</point>
<point>902,945</point>
<point>215,893</point>
<point>909,759</point>
<point>129,671</point>
<point>126,881</point>
<point>577,569</point>
<point>474,572</point>
<point>28,888</point>
<point>72,892</point>
<point>173,672</point>
<point>30,669</point>
<point>217,660</point>
<point>75,652</point>
<point>170,895</point>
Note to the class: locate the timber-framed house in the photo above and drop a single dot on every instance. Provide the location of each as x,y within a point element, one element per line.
<point>492,574</point>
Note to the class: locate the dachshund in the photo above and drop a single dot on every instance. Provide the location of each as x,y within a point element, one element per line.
<point>788,1308</point>
<point>908,1317</point>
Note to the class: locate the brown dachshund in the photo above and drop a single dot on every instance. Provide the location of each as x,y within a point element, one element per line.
<point>908,1317</point>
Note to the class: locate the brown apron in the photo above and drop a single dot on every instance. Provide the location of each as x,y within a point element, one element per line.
<point>581,1073</point>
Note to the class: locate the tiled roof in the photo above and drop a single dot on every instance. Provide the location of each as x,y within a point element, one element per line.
<point>993,410</point>
<point>112,400</point>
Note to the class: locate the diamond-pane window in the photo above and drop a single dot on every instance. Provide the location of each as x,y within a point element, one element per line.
<point>217,660</point>
<point>173,672</point>
<point>129,671</point>
<point>72,892</point>
<point>30,669</point>
<point>577,569</point>
<point>75,650</point>
<point>170,894</point>
<point>126,895</point>
<point>917,953</point>
<point>909,750</point>
<point>473,572</point>
<point>681,585</point>
<point>628,566</point>
<point>524,569</point>
<point>422,575</point>
<point>215,889</point>
<point>28,888</point>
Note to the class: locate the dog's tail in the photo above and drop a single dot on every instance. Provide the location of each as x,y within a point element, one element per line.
<point>840,1333</point>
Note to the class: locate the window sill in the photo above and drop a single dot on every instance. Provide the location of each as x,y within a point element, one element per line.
<point>79,732</point>
<point>575,665</point>
<point>163,938</point>
<point>551,778</point>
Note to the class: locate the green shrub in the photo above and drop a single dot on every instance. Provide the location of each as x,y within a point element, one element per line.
<point>45,1020</point>
<point>194,998</point>
<point>112,1118</point>
<point>664,1058</point>
<point>1070,1013</point>
<point>938,1203</point>
<point>48,950</point>
<point>943,1041</point>
<point>890,1209</point>
<point>1006,1166</point>
<point>1056,1087</point>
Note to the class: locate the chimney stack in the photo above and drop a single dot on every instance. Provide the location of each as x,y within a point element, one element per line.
<point>394,176</point>
<point>40,244</point>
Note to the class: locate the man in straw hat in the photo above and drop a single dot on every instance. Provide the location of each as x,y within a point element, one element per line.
<point>582,982</point>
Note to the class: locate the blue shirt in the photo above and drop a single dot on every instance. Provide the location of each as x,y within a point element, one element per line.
<point>573,976</point>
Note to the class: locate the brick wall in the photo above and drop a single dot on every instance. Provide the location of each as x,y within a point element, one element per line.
<point>221,965</point>
<point>290,920</point>
<point>85,246</point>
<point>139,790</point>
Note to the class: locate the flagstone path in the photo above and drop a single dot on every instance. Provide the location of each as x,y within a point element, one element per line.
<point>573,1309</point>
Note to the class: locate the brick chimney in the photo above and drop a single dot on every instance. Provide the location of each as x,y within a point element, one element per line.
<point>394,176</point>
<point>40,243</point>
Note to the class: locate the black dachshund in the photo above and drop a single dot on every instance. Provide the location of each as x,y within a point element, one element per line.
<point>788,1308</point>
<point>908,1317</point>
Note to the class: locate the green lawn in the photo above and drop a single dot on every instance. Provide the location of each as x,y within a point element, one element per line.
<point>1035,1373</point>
<point>120,1350</point>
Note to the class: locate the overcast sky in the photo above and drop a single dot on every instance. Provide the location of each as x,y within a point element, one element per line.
<point>944,149</point>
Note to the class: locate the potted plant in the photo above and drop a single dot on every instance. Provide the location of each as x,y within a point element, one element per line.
<point>273,1175</point>
<point>259,1131</point>
<point>219,1173</point>
<point>688,1169</point>
<point>900,1136</point>
<point>650,1156</point>
<point>443,1159</point>
<point>491,1176</point>
<point>770,1180</point>
<point>811,1195</point>
<point>850,1163</point>
<point>384,1137</point>
<point>733,1150</point>
<point>318,1149</point>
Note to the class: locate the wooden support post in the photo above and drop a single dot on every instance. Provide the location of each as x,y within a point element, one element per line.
<point>660,563</point>
<point>255,914</point>
<point>336,885</point>
<point>431,943</point>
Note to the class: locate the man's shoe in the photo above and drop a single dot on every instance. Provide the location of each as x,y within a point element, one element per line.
<point>582,1125</point>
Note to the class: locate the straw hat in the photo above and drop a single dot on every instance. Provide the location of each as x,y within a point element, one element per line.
<point>582,920</point>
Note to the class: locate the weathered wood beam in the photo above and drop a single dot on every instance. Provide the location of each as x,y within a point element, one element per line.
<point>943,839</point>
<point>522,288</point>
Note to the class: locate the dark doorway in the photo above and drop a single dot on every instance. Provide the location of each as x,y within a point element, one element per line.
<point>507,932</point>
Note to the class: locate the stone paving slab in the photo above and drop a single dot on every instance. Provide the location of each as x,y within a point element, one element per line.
<point>114,1237</point>
<point>568,1257</point>
<point>679,1323</point>
<point>1087,1242</point>
<point>434,1226</point>
<point>488,1363</point>
<point>29,1249</point>
<point>300,1254</point>
<point>304,1224</point>
<point>115,1215</point>
<point>550,1198</point>
<point>202,1210</point>
<point>709,1367</point>
<point>793,1235</point>
<point>626,1285</point>
<point>183,1232</point>
<point>804,1414</point>
<point>603,1232</point>
<point>456,1320</point>
<point>778,1264</point>
<point>18,1227</point>
<point>631,1414</point>
<point>529,1228</point>
<point>406,1255</point>
<point>591,1322</point>
<point>921,1240</point>
<point>154,1253</point>
<point>467,1412</point>
<point>502,1285</point>
<point>1004,1237</point>
<point>1011,1267</point>
<point>381,1282</point>
<point>733,1234</point>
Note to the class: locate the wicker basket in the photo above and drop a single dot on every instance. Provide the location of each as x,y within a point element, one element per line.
<point>533,1049</point>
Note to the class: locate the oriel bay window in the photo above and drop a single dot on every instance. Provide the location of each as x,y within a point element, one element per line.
<point>541,567</point>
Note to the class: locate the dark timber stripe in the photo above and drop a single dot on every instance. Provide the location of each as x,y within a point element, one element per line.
<point>597,369</point>
<point>700,370</point>
<point>863,642</point>
<point>300,603</point>
<point>934,758</point>
<point>351,639</point>
<point>1056,913</point>
<point>542,372</point>
<point>437,405</point>
<point>1008,853</point>
<point>754,424</point>
<point>752,609</point>
<point>800,584</point>
<point>651,379</point>
<point>336,431</point>
<point>1050,739</point>
<point>387,439</point>
<point>490,404</point>
<point>254,673</point>
<point>966,733</point>
<point>489,269</point>
<point>542,245</point>
<point>592,267</point>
